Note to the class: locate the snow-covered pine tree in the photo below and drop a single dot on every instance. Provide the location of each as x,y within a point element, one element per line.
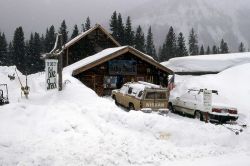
<point>242,47</point>
<point>19,50</point>
<point>50,39</point>
<point>208,50</point>
<point>129,33</point>
<point>193,43</point>
<point>64,32</point>
<point>3,50</point>
<point>202,51</point>
<point>223,47</point>
<point>139,39</point>
<point>169,46</point>
<point>114,25</point>
<point>181,49</point>
<point>150,47</point>
<point>75,32</point>
<point>215,50</point>
<point>120,30</point>
<point>87,24</point>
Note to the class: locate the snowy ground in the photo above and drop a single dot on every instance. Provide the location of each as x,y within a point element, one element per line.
<point>76,127</point>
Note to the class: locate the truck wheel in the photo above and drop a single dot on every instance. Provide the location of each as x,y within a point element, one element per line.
<point>116,103</point>
<point>131,106</point>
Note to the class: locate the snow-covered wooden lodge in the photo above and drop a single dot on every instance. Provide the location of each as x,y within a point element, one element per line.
<point>108,69</point>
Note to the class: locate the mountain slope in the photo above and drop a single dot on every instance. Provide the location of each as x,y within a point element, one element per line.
<point>212,19</point>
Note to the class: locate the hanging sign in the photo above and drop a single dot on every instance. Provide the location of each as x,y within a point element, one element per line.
<point>207,100</point>
<point>51,73</point>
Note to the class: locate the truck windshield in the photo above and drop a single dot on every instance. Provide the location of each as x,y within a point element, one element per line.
<point>156,95</point>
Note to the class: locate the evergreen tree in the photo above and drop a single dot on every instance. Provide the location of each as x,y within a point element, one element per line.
<point>42,39</point>
<point>208,50</point>
<point>87,24</point>
<point>202,52</point>
<point>10,54</point>
<point>19,50</point>
<point>139,39</point>
<point>75,32</point>
<point>193,43</point>
<point>120,30</point>
<point>3,50</point>
<point>169,46</point>
<point>50,39</point>
<point>181,49</point>
<point>129,33</point>
<point>64,32</point>
<point>242,47</point>
<point>215,50</point>
<point>150,47</point>
<point>223,47</point>
<point>114,25</point>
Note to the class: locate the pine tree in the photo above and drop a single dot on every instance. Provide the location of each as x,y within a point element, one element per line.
<point>120,30</point>
<point>202,52</point>
<point>150,47</point>
<point>64,32</point>
<point>181,49</point>
<point>50,39</point>
<point>215,50</point>
<point>193,43</point>
<point>139,39</point>
<point>242,47</point>
<point>169,46</point>
<point>114,25</point>
<point>10,54</point>
<point>75,32</point>
<point>129,33</point>
<point>208,50</point>
<point>19,50</point>
<point>3,50</point>
<point>223,47</point>
<point>87,24</point>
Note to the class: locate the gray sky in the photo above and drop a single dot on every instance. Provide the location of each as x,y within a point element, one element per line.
<point>37,15</point>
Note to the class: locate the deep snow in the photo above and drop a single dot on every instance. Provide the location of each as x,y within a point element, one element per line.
<point>76,127</point>
<point>207,63</point>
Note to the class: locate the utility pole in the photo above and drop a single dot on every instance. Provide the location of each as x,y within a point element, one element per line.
<point>60,62</point>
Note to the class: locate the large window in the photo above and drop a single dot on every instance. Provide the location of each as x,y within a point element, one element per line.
<point>156,95</point>
<point>122,67</point>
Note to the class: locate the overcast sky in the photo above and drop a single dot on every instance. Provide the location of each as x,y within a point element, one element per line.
<point>37,15</point>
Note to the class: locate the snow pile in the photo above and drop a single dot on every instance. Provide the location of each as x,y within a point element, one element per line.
<point>76,127</point>
<point>207,63</point>
<point>232,83</point>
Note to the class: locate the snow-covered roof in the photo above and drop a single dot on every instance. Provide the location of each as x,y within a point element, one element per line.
<point>107,54</point>
<point>207,63</point>
<point>83,34</point>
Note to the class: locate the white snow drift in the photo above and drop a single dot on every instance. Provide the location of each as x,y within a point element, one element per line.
<point>207,63</point>
<point>76,127</point>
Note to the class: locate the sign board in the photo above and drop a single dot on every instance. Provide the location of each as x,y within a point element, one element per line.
<point>51,73</point>
<point>207,100</point>
<point>122,67</point>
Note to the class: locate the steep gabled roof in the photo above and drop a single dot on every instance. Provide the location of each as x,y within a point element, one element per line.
<point>83,34</point>
<point>109,54</point>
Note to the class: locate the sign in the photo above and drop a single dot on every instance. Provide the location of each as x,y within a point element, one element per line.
<point>122,67</point>
<point>207,100</point>
<point>51,73</point>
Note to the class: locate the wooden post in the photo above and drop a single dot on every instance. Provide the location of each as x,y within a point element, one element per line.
<point>60,63</point>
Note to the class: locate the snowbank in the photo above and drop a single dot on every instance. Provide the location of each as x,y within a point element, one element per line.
<point>232,83</point>
<point>207,63</point>
<point>76,127</point>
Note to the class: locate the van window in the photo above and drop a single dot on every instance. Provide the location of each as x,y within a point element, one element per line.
<point>156,95</point>
<point>130,90</point>
<point>140,94</point>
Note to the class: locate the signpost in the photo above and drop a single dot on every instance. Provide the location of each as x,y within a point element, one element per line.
<point>207,100</point>
<point>51,66</point>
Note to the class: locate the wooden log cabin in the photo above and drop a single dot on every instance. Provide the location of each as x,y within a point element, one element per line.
<point>88,43</point>
<point>111,68</point>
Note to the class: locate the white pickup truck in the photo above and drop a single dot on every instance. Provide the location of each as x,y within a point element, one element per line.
<point>192,103</point>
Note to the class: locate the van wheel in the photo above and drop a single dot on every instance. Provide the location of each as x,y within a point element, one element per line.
<point>198,115</point>
<point>131,106</point>
<point>116,103</point>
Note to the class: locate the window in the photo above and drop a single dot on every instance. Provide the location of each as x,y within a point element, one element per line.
<point>140,94</point>
<point>130,90</point>
<point>156,95</point>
